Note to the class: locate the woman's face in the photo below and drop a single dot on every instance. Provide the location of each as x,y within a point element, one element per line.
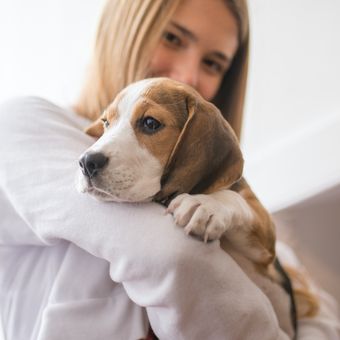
<point>197,46</point>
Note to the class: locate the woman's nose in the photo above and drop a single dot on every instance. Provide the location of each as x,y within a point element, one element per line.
<point>186,72</point>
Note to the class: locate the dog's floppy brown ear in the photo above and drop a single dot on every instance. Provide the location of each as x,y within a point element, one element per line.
<point>206,157</point>
<point>96,129</point>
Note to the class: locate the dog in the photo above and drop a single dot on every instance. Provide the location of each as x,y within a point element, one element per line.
<point>159,140</point>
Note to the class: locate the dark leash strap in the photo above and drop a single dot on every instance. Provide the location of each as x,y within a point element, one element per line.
<point>151,335</point>
<point>287,286</point>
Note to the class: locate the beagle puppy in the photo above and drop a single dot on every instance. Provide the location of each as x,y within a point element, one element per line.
<point>159,140</point>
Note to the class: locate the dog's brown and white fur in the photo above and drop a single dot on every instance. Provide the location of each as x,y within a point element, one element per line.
<point>162,141</point>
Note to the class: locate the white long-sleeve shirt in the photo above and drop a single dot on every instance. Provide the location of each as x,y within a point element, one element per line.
<point>75,268</point>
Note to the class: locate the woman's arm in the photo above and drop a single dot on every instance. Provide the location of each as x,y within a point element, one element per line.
<point>191,290</point>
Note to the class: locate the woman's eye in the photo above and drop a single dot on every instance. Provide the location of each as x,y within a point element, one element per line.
<point>150,125</point>
<point>105,123</point>
<point>213,66</point>
<point>172,39</point>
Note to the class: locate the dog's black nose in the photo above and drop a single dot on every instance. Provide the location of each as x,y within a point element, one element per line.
<point>92,162</point>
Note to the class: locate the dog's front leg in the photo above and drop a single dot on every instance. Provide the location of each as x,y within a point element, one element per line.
<point>231,213</point>
<point>209,216</point>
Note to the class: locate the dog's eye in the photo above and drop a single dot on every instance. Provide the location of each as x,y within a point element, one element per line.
<point>150,124</point>
<point>105,122</point>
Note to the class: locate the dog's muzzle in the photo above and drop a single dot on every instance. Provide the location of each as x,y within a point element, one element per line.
<point>92,162</point>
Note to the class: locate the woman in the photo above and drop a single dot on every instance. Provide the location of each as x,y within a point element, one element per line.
<point>190,290</point>
<point>158,46</point>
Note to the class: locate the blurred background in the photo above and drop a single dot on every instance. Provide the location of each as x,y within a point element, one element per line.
<point>291,135</point>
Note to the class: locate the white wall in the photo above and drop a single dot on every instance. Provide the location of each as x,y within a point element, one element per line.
<point>292,126</point>
<point>45,46</point>
<point>293,83</point>
<point>295,68</point>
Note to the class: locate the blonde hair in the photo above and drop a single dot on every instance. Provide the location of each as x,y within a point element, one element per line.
<point>128,32</point>
<point>231,95</point>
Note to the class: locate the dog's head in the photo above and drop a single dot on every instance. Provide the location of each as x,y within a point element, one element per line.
<point>159,138</point>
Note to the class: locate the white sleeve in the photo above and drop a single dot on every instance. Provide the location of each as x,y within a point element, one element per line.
<point>191,290</point>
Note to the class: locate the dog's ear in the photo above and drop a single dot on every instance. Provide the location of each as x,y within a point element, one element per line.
<point>206,157</point>
<point>96,129</point>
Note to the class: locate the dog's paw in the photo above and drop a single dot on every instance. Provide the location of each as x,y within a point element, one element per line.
<point>201,215</point>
